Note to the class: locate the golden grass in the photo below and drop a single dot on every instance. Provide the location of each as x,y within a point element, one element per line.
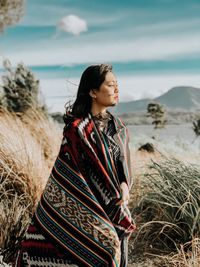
<point>140,252</point>
<point>29,146</point>
<point>185,257</point>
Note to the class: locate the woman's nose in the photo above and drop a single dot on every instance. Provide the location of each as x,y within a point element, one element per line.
<point>116,88</point>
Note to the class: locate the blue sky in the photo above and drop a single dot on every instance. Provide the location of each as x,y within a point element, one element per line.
<point>153,45</point>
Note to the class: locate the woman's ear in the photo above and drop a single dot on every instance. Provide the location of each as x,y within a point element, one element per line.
<point>92,93</point>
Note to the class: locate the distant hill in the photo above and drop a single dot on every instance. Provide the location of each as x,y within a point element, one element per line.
<point>186,98</point>
<point>183,98</point>
<point>137,105</point>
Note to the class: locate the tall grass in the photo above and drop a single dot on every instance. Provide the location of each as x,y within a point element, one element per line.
<point>185,257</point>
<point>168,215</point>
<point>166,203</point>
<point>29,145</point>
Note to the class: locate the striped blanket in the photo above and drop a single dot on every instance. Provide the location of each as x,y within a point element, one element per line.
<point>78,208</point>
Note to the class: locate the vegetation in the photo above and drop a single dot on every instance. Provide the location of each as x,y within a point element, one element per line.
<point>29,146</point>
<point>20,89</point>
<point>187,257</point>
<point>168,215</point>
<point>157,112</point>
<point>11,12</point>
<point>196,127</point>
<point>167,209</point>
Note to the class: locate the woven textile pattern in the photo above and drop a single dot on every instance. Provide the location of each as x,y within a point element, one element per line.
<point>78,210</point>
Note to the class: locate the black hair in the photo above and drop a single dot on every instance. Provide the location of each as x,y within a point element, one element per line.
<point>92,78</point>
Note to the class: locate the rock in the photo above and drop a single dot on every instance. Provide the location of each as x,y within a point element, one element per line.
<point>147,147</point>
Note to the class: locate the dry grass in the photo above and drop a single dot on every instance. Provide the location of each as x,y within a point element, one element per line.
<point>29,145</point>
<point>165,204</point>
<point>185,257</point>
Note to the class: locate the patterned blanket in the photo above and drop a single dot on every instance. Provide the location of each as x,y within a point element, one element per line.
<point>78,208</point>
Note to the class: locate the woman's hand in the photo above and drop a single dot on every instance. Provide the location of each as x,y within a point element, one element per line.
<point>125,194</point>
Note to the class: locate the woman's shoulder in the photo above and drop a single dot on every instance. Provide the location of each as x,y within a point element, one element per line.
<point>70,119</point>
<point>75,124</point>
<point>70,123</point>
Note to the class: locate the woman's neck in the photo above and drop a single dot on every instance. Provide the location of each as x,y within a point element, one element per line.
<point>96,109</point>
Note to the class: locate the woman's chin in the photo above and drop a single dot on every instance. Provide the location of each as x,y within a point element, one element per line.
<point>116,101</point>
<point>114,104</point>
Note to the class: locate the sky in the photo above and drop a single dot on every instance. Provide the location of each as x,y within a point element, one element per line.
<point>152,45</point>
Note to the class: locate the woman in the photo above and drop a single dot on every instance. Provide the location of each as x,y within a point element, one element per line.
<point>82,217</point>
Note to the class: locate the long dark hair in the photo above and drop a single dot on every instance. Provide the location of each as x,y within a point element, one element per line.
<point>92,78</point>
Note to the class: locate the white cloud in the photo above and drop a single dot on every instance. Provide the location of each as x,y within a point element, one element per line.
<point>178,38</point>
<point>177,26</point>
<point>73,24</point>
<point>165,41</point>
<point>88,51</point>
<point>141,86</point>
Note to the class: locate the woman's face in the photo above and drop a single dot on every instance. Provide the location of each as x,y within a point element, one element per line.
<point>108,94</point>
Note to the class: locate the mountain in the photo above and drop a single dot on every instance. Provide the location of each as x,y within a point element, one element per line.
<point>184,98</point>
<point>187,98</point>
<point>127,107</point>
